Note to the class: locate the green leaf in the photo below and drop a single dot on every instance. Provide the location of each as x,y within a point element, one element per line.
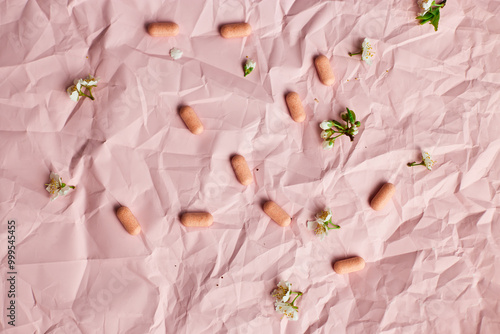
<point>351,116</point>
<point>433,15</point>
<point>426,17</point>
<point>435,21</point>
<point>338,125</point>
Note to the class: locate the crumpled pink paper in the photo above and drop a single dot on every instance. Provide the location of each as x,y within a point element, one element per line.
<point>431,253</point>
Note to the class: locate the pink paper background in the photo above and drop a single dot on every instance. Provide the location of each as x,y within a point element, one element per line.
<point>432,255</point>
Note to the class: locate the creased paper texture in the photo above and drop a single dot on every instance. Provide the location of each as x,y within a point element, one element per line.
<point>432,255</point>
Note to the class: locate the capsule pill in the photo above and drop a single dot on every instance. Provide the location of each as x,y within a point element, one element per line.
<point>324,69</point>
<point>197,219</point>
<point>240,167</point>
<point>236,30</point>
<point>163,29</point>
<point>191,120</point>
<point>128,220</point>
<point>383,196</point>
<point>276,213</point>
<point>350,265</point>
<point>295,107</point>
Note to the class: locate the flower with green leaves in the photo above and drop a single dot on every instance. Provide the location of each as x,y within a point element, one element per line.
<point>76,91</point>
<point>367,53</point>
<point>333,129</point>
<point>249,66</point>
<point>430,12</point>
<point>322,224</point>
<point>57,187</point>
<point>282,294</point>
<point>426,161</point>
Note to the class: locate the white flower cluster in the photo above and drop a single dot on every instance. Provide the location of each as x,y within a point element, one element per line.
<point>76,90</point>
<point>282,294</point>
<point>321,225</point>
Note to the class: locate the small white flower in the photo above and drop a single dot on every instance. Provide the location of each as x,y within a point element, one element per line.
<point>368,52</point>
<point>288,310</point>
<point>326,134</point>
<point>251,63</point>
<point>324,215</point>
<point>328,144</point>
<point>79,83</point>
<point>90,81</point>
<point>326,125</point>
<point>57,187</point>
<point>282,292</point>
<point>176,53</point>
<point>73,93</point>
<point>249,66</point>
<point>426,157</point>
<point>319,228</point>
<point>424,6</point>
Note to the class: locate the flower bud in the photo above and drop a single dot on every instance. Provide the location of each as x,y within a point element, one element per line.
<point>326,125</point>
<point>326,134</point>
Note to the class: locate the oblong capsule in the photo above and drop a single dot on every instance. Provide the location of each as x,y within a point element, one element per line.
<point>295,107</point>
<point>276,213</point>
<point>163,29</point>
<point>128,220</point>
<point>324,70</point>
<point>241,170</point>
<point>197,219</point>
<point>191,120</point>
<point>383,196</point>
<point>236,30</point>
<point>349,265</point>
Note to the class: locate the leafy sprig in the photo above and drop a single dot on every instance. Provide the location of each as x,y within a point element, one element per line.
<point>333,129</point>
<point>432,15</point>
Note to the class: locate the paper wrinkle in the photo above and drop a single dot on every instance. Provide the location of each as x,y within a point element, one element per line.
<point>431,253</point>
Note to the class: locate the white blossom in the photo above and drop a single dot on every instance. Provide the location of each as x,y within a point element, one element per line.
<point>424,6</point>
<point>73,93</point>
<point>428,162</point>
<point>288,310</point>
<point>282,292</point>
<point>176,53</point>
<point>368,52</point>
<point>57,187</point>
<point>319,228</point>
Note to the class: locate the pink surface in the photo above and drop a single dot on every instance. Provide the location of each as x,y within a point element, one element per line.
<point>432,254</point>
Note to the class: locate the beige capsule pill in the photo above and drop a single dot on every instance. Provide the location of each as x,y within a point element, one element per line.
<point>128,220</point>
<point>236,30</point>
<point>295,107</point>
<point>383,196</point>
<point>324,69</point>
<point>240,167</point>
<point>191,120</point>
<point>197,219</point>
<point>350,265</point>
<point>163,29</point>
<point>276,213</point>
